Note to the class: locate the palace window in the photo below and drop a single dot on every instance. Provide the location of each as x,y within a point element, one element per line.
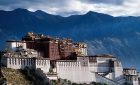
<point>38,62</point>
<point>15,61</point>
<point>44,62</point>
<point>24,61</point>
<point>27,61</point>
<point>10,60</point>
<point>19,61</point>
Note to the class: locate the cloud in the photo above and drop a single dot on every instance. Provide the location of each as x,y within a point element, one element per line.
<point>71,7</point>
<point>116,2</point>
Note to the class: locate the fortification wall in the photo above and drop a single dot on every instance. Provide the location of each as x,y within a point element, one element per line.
<point>74,72</point>
<point>21,63</point>
<point>43,64</point>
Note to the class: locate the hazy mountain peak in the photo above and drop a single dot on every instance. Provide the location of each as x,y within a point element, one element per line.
<point>20,9</point>
<point>40,12</point>
<point>92,13</point>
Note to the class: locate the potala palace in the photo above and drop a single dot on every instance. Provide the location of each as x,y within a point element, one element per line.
<point>66,59</point>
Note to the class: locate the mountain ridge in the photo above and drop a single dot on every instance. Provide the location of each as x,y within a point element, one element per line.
<point>103,33</point>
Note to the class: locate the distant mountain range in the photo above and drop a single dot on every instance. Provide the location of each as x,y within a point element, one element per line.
<point>103,33</point>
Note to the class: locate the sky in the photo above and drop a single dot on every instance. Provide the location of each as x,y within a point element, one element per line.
<point>74,7</point>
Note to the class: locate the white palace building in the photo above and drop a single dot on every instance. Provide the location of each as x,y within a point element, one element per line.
<point>85,69</point>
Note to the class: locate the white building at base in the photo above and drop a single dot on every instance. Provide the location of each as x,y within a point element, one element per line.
<point>103,68</point>
<point>131,76</point>
<point>100,68</point>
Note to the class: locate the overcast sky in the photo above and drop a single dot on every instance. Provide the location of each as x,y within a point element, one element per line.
<point>72,7</point>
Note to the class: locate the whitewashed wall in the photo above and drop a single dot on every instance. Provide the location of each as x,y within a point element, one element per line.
<point>135,83</point>
<point>18,63</point>
<point>43,64</point>
<point>118,69</point>
<point>74,72</point>
<point>93,66</point>
<point>79,71</point>
<point>21,63</point>
<point>12,45</point>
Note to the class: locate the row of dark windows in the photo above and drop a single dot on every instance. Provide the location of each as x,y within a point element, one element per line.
<point>21,61</point>
<point>130,78</point>
<point>26,61</point>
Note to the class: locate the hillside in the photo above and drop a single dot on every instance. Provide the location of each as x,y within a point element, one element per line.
<point>15,77</point>
<point>103,33</point>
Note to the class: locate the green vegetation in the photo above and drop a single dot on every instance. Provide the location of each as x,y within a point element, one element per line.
<point>60,82</point>
<point>36,77</point>
<point>2,80</point>
<point>94,83</point>
<point>67,82</point>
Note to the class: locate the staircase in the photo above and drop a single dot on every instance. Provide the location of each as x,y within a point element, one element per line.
<point>102,79</point>
<point>121,81</point>
<point>105,74</point>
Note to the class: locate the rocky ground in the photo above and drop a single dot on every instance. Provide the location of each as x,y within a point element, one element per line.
<point>14,77</point>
